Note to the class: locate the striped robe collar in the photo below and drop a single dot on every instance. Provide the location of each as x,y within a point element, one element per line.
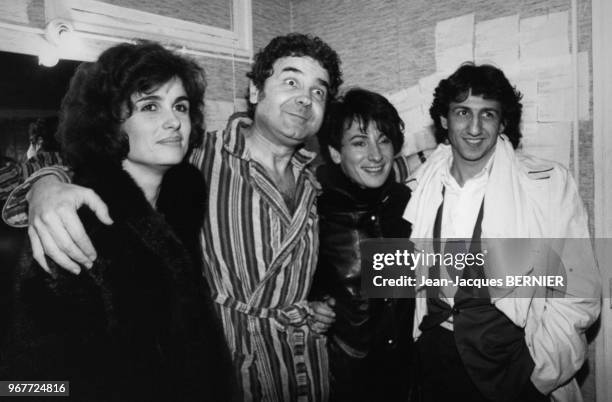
<point>233,142</point>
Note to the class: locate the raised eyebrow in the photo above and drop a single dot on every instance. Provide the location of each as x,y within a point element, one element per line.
<point>181,99</point>
<point>320,81</point>
<point>292,70</point>
<point>323,83</point>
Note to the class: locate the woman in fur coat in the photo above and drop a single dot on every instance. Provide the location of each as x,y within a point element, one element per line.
<point>139,324</point>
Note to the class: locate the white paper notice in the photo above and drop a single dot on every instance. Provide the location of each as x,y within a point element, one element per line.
<point>558,106</point>
<point>555,92</point>
<point>584,86</point>
<point>406,98</point>
<point>415,119</point>
<point>428,84</point>
<point>454,42</point>
<point>419,141</point>
<point>552,142</point>
<point>544,36</point>
<point>527,84</point>
<point>530,112</point>
<point>497,43</point>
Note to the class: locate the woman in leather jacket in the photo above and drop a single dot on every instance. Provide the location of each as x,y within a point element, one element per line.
<point>370,341</point>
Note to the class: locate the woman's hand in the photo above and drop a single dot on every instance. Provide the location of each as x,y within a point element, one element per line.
<point>322,316</point>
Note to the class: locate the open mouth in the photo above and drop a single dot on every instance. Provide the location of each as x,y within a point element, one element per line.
<point>474,141</point>
<point>374,169</point>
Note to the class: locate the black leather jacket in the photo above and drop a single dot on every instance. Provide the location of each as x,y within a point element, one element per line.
<point>347,215</point>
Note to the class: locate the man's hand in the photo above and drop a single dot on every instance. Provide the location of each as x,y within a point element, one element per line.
<point>323,315</point>
<point>55,228</point>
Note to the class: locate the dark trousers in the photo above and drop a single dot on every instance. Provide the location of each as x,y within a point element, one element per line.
<point>442,377</point>
<point>383,375</point>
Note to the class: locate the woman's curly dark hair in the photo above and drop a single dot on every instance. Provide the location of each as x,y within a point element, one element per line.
<point>363,107</point>
<point>100,94</point>
<point>483,80</point>
<point>296,45</point>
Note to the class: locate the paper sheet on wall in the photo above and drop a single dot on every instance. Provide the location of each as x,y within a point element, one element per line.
<point>555,91</point>
<point>527,85</point>
<point>497,43</point>
<point>454,42</point>
<point>427,86</point>
<point>544,36</point>
<point>551,141</point>
<point>556,76</point>
<point>406,98</point>
<point>415,119</point>
<point>418,141</point>
<point>530,112</point>
<point>529,130</point>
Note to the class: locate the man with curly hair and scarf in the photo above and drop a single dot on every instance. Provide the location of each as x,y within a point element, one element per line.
<point>498,342</point>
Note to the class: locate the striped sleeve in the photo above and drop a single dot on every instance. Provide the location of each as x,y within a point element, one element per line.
<point>11,175</point>
<point>14,212</point>
<point>404,166</point>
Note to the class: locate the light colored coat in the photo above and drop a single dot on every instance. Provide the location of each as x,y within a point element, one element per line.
<point>533,199</point>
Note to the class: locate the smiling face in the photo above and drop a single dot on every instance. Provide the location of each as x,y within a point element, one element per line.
<point>366,156</point>
<point>473,126</point>
<point>158,128</point>
<point>291,105</point>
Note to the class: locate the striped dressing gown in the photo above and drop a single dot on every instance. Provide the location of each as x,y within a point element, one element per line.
<point>259,261</point>
<point>12,175</point>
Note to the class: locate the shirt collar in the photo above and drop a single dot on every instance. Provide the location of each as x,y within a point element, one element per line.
<point>483,176</point>
<point>234,142</point>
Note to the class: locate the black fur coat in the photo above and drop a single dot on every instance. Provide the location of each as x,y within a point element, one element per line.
<point>138,326</point>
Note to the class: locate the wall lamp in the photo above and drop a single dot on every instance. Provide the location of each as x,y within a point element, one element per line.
<point>59,34</point>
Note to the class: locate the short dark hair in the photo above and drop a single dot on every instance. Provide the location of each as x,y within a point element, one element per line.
<point>363,107</point>
<point>99,94</point>
<point>296,45</point>
<point>479,80</point>
<point>45,129</point>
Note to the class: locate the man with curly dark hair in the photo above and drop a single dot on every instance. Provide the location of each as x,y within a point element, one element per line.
<point>486,81</point>
<point>296,45</point>
<point>497,343</point>
<point>259,236</point>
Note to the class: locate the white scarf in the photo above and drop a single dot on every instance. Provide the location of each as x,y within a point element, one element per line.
<point>508,211</point>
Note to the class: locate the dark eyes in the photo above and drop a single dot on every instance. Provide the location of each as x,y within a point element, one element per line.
<point>489,115</point>
<point>182,107</point>
<point>463,113</point>
<point>154,107</point>
<point>320,94</point>
<point>363,143</point>
<point>149,107</point>
<point>317,93</point>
